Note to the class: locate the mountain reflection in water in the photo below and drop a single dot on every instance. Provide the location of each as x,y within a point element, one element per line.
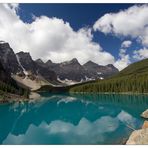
<point>72,119</point>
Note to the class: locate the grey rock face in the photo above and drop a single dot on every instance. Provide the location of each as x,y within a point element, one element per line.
<point>39,61</point>
<point>22,64</point>
<point>26,61</point>
<point>36,67</point>
<point>8,58</point>
<point>73,70</point>
<point>99,70</point>
<point>4,76</point>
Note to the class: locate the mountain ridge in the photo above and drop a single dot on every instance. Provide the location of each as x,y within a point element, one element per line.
<point>73,70</point>
<point>134,78</point>
<point>69,72</point>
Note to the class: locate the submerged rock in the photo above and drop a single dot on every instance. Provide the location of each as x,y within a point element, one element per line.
<point>145,114</point>
<point>138,137</point>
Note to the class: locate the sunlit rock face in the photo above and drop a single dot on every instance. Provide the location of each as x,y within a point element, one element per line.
<point>138,137</point>
<point>145,114</point>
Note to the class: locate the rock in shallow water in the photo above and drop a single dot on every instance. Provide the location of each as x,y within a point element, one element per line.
<point>138,137</point>
<point>145,114</point>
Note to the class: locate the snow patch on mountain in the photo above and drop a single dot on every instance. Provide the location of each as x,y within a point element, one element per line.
<point>24,70</point>
<point>99,73</point>
<point>67,81</point>
<point>2,42</point>
<point>88,79</point>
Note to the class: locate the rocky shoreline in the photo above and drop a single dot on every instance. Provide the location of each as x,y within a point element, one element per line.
<point>140,136</point>
<point>9,98</point>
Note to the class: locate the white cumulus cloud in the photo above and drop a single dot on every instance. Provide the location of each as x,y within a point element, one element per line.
<point>124,58</point>
<point>126,44</point>
<point>140,54</point>
<point>131,22</point>
<point>49,38</point>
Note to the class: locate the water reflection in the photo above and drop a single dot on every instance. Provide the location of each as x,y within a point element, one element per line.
<point>75,119</point>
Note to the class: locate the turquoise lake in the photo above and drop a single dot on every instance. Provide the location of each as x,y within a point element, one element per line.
<point>72,119</point>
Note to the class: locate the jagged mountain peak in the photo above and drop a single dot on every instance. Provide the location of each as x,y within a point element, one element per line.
<point>37,67</point>
<point>22,53</point>
<point>70,70</point>
<point>90,63</point>
<point>39,61</point>
<point>2,41</point>
<point>5,45</point>
<point>24,57</point>
<point>49,62</point>
<point>73,61</point>
<point>8,58</point>
<point>111,66</point>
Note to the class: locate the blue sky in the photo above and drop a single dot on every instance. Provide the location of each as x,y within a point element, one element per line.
<point>79,15</point>
<point>103,33</point>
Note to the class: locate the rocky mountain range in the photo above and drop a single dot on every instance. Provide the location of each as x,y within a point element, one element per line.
<point>30,67</point>
<point>69,72</point>
<point>75,72</point>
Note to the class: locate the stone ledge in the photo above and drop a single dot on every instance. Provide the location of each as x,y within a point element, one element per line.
<point>145,114</point>
<point>145,124</point>
<point>138,137</point>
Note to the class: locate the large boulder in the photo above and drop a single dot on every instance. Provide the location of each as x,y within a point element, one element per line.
<point>145,124</point>
<point>138,137</point>
<point>145,114</point>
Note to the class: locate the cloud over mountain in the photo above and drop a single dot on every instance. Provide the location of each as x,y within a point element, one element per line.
<point>141,53</point>
<point>49,38</point>
<point>131,22</point>
<point>124,58</point>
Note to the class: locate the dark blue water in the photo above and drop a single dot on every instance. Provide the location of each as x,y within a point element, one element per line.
<point>72,119</point>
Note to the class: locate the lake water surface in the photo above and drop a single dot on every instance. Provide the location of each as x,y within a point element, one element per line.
<point>72,119</point>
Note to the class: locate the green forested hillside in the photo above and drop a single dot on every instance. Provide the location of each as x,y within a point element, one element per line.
<point>140,67</point>
<point>133,78</point>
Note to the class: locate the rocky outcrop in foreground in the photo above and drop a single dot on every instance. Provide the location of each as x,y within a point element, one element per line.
<point>145,114</point>
<point>145,124</point>
<point>140,136</point>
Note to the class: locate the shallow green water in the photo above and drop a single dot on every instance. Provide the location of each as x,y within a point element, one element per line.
<point>75,119</point>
